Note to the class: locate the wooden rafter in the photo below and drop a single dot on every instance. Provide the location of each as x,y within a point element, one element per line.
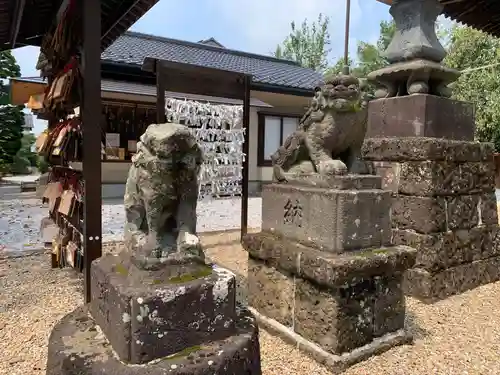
<point>479,14</point>
<point>18,17</point>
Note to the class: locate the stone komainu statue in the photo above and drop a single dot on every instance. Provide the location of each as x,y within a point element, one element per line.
<point>330,134</point>
<point>162,192</point>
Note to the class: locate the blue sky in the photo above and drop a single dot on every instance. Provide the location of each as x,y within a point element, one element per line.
<point>253,26</point>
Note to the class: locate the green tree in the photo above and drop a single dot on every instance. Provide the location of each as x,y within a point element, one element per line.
<point>11,117</point>
<point>370,57</point>
<point>307,45</point>
<point>477,54</point>
<point>25,157</point>
<point>42,164</point>
<point>338,67</point>
<point>8,65</point>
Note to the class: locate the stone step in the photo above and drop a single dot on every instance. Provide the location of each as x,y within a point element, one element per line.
<point>324,268</point>
<point>28,186</point>
<point>78,336</point>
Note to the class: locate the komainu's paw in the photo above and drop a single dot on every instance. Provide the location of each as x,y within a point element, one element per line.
<point>329,167</point>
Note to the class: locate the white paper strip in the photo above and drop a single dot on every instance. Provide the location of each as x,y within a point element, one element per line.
<point>217,128</point>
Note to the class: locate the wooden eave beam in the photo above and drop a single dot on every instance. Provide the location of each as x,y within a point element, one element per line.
<point>121,16</point>
<point>18,17</point>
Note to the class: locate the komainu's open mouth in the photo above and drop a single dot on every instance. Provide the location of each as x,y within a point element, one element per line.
<point>342,104</point>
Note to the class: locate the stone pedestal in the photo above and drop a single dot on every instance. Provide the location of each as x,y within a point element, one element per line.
<point>156,322</point>
<point>421,116</point>
<point>445,207</point>
<point>323,273</point>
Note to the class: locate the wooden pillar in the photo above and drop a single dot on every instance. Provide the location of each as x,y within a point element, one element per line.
<point>91,114</point>
<point>160,94</point>
<point>246,162</point>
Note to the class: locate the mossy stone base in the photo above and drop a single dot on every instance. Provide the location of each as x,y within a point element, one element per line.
<point>337,302</point>
<point>77,346</point>
<point>336,364</point>
<point>337,319</point>
<point>149,314</point>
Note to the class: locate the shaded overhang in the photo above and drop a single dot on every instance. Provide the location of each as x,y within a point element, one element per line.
<point>483,15</point>
<point>25,22</point>
<point>31,89</point>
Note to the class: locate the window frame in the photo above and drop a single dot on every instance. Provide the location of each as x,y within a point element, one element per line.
<point>261,161</point>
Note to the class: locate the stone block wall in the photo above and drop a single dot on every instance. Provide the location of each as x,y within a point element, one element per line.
<point>445,207</point>
<point>338,303</point>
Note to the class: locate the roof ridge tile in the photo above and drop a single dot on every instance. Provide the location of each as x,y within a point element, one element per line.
<point>158,38</point>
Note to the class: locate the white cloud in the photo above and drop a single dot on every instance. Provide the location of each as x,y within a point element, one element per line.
<point>264,23</point>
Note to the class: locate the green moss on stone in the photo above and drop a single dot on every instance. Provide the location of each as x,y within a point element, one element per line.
<point>205,271</point>
<point>367,253</point>
<point>120,268</point>
<point>184,353</point>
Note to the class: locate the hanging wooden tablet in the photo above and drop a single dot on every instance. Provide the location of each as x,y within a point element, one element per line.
<point>66,203</point>
<point>52,191</point>
<point>71,253</point>
<point>62,86</point>
<point>40,141</point>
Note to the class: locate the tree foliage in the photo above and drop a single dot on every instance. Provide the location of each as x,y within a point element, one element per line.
<point>307,44</point>
<point>338,66</point>
<point>11,117</point>
<point>370,56</point>
<point>25,157</point>
<point>11,132</point>
<point>477,54</point>
<point>42,165</point>
<point>8,65</point>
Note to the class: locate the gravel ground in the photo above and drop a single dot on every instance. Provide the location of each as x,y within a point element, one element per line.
<point>460,335</point>
<point>22,213</point>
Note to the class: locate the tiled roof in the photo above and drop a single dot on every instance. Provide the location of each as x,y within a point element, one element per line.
<point>133,48</point>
